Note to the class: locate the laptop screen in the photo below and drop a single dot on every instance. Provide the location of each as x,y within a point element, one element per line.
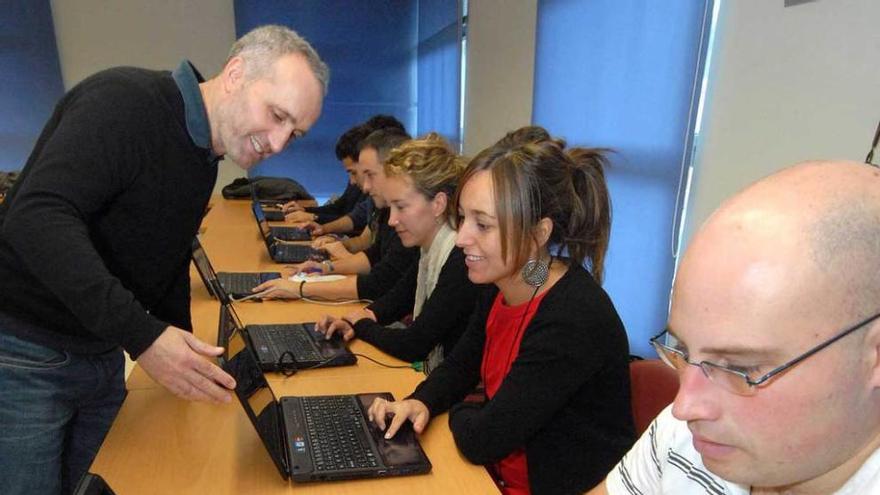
<point>206,271</point>
<point>256,398</point>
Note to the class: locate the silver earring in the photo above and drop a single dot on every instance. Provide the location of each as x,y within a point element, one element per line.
<point>535,272</point>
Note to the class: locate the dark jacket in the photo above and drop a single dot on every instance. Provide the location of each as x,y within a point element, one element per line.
<point>566,398</point>
<point>95,236</point>
<point>389,260</point>
<point>338,207</point>
<point>443,318</point>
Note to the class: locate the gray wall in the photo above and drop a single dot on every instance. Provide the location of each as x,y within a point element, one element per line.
<point>157,34</point>
<point>788,84</point>
<point>500,70</point>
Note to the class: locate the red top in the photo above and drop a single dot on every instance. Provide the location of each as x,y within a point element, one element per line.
<point>505,326</point>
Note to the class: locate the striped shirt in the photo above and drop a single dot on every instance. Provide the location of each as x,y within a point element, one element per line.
<point>664,461</point>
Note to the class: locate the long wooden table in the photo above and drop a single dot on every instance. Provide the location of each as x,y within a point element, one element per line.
<point>161,444</point>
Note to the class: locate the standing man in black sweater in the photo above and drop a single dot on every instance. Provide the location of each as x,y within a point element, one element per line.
<point>95,240</point>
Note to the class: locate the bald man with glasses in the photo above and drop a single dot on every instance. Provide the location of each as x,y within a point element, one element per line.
<point>775,333</point>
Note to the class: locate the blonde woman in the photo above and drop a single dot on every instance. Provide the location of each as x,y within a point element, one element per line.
<point>421,177</point>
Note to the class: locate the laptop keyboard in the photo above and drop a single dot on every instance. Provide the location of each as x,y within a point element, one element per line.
<point>293,251</point>
<point>239,283</point>
<point>283,338</point>
<point>290,234</point>
<point>336,435</point>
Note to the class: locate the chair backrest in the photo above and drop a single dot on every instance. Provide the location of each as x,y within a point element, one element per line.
<point>653,387</point>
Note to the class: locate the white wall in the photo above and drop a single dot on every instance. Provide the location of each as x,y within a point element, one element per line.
<point>500,70</point>
<point>96,34</point>
<point>787,85</point>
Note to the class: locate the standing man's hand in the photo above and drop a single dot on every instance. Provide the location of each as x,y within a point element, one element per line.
<point>177,361</point>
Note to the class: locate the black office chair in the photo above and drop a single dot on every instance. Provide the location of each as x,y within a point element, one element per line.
<point>92,484</point>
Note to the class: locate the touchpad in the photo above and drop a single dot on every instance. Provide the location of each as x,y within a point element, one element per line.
<point>401,450</point>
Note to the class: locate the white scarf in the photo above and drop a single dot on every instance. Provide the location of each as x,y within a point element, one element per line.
<point>431,261</point>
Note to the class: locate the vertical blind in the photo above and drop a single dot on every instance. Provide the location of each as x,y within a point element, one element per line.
<point>30,77</point>
<point>624,74</point>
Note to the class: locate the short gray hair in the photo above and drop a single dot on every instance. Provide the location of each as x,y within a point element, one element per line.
<point>262,46</point>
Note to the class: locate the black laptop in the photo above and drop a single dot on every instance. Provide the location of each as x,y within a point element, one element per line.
<point>285,346</point>
<point>320,438</point>
<point>282,251</point>
<point>237,285</point>
<point>272,208</point>
<point>280,233</point>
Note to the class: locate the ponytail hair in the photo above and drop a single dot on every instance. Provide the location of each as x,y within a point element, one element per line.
<point>540,179</point>
<point>589,215</point>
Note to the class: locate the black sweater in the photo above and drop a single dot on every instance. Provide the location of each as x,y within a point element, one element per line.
<point>389,260</point>
<point>566,398</point>
<point>443,318</point>
<point>95,236</point>
<point>338,207</point>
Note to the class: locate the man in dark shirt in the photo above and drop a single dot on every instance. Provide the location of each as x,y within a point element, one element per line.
<point>95,240</point>
<point>385,259</point>
<point>358,215</point>
<point>346,153</point>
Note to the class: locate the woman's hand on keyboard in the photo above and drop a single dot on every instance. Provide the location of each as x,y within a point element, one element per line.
<point>330,325</point>
<point>279,288</point>
<point>402,410</point>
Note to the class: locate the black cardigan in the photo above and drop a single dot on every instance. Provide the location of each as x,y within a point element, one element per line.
<point>389,260</point>
<point>443,318</point>
<point>96,235</point>
<point>339,206</point>
<point>566,398</point>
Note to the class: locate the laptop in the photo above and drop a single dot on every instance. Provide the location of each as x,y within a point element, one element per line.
<point>322,438</point>
<point>271,207</point>
<point>286,347</point>
<point>281,233</point>
<point>236,285</point>
<point>286,252</point>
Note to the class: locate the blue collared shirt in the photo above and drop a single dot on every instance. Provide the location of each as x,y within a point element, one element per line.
<point>188,78</point>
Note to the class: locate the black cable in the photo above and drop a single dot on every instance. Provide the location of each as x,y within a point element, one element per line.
<point>287,368</point>
<point>408,366</point>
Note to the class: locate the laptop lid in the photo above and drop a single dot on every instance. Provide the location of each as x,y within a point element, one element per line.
<point>228,324</point>
<point>257,399</point>
<point>207,272</point>
<point>263,226</point>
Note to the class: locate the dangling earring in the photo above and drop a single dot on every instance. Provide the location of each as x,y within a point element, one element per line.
<point>535,272</point>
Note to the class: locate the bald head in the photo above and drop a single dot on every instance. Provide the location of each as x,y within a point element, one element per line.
<point>778,270</point>
<point>811,230</point>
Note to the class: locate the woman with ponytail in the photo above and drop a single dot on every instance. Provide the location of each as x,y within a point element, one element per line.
<point>545,339</point>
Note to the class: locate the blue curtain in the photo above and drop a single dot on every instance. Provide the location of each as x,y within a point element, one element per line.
<point>30,74</point>
<point>621,74</point>
<point>439,68</point>
<point>371,50</point>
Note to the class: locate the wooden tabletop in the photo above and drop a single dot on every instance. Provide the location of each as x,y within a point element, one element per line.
<point>161,444</point>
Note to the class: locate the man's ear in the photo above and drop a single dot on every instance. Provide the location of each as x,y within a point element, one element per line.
<point>872,349</point>
<point>233,74</point>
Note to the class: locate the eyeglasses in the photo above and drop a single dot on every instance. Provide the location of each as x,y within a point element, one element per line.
<point>738,380</point>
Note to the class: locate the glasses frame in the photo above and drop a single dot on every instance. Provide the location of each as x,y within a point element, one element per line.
<point>752,385</point>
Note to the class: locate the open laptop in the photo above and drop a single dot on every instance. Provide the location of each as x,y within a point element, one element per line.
<point>281,233</point>
<point>287,346</point>
<point>271,208</point>
<point>319,438</point>
<point>287,252</point>
<point>237,285</point>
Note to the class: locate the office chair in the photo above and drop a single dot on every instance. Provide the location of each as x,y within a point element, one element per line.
<point>653,386</point>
